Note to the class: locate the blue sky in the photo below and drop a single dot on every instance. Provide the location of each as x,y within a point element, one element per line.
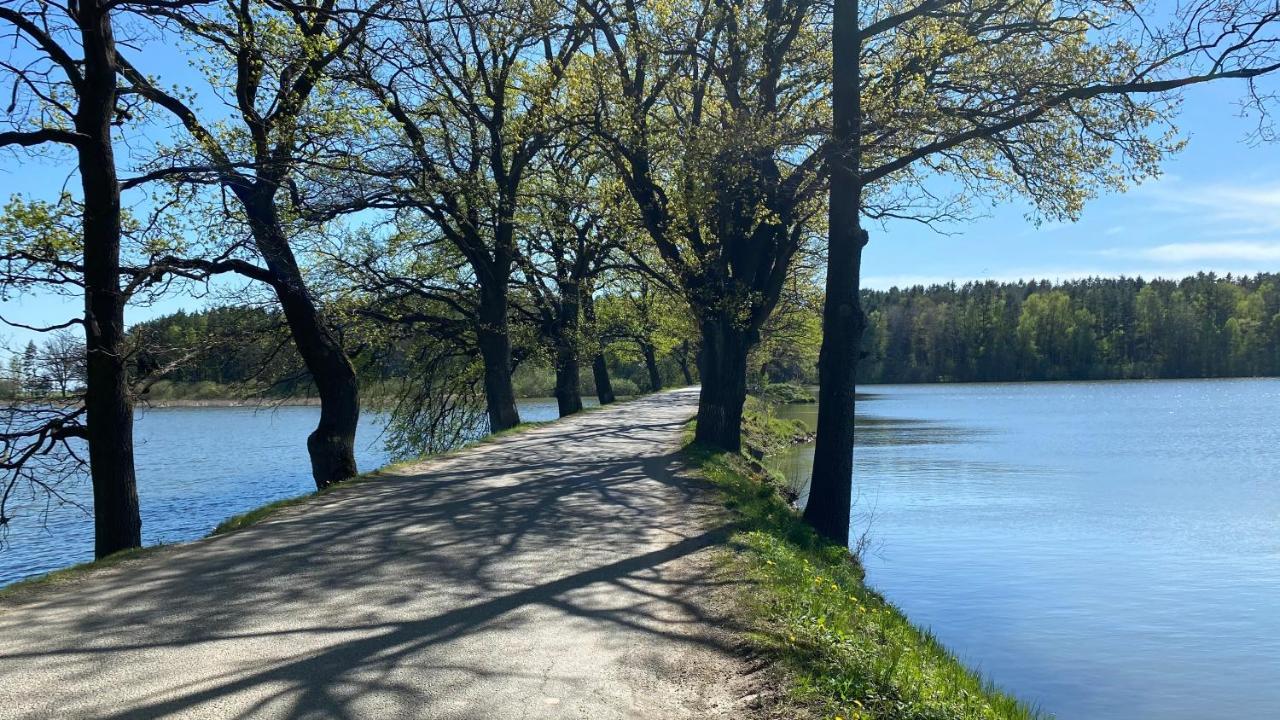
<point>1217,207</point>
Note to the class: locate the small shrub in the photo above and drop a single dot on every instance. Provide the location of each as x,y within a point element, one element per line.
<point>765,434</point>
<point>530,381</point>
<point>161,390</point>
<point>788,394</point>
<point>207,390</point>
<point>624,387</point>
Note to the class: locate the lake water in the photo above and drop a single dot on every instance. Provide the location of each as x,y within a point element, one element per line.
<point>1107,551</point>
<point>196,467</point>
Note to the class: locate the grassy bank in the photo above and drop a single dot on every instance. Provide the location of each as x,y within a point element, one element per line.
<point>845,652</point>
<point>788,394</point>
<point>70,573</point>
<point>764,433</point>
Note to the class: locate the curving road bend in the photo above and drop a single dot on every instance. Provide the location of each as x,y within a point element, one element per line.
<point>561,572</point>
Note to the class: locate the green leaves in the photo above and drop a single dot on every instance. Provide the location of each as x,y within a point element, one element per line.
<point>40,229</point>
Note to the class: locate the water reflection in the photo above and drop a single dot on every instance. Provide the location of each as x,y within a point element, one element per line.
<point>873,431</point>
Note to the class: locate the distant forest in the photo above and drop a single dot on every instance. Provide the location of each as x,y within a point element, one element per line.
<point>228,352</point>
<point>1094,329</point>
<point>1202,326</point>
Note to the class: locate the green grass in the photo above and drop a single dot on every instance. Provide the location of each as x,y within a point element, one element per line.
<point>844,650</point>
<point>789,393</point>
<point>258,514</point>
<point>764,433</point>
<point>73,572</point>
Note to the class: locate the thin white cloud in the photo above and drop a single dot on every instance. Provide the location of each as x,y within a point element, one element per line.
<point>1229,209</point>
<point>1203,251</point>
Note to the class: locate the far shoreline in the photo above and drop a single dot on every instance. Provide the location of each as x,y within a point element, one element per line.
<point>260,403</point>
<point>226,403</point>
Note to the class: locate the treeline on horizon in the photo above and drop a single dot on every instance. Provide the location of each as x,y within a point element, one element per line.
<point>1204,326</point>
<point>245,353</point>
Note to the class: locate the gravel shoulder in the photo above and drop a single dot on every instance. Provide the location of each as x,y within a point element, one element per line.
<point>562,572</point>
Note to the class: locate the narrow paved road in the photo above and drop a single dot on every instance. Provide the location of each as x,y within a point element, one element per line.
<point>561,572</point>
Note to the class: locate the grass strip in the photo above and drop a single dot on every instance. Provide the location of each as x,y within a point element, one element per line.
<point>67,574</point>
<point>845,652</point>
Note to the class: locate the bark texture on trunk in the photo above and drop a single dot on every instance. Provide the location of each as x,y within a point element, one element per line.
<point>568,392</point>
<point>108,405</point>
<point>651,365</point>
<point>723,366</point>
<point>331,445</point>
<point>682,357</point>
<point>831,491</point>
<point>604,386</point>
<point>599,368</point>
<point>495,352</point>
<point>567,331</point>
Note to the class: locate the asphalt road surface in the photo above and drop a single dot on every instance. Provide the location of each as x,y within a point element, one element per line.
<point>560,572</point>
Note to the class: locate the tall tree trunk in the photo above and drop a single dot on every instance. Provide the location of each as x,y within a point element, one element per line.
<point>604,387</point>
<point>495,352</point>
<point>568,336</point>
<point>651,365</point>
<point>332,444</point>
<point>599,368</point>
<point>682,358</point>
<point>568,380</point>
<point>722,364</point>
<point>831,491</point>
<point>108,406</point>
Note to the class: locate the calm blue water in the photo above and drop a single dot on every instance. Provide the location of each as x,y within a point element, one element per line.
<point>1109,551</point>
<point>196,467</point>
<point>1104,550</point>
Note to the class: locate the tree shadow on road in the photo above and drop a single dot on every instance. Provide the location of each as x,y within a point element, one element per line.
<point>522,566</point>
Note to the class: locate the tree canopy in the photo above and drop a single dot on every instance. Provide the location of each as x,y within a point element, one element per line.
<point>436,200</point>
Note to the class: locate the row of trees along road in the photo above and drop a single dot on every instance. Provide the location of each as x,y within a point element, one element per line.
<point>455,181</point>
